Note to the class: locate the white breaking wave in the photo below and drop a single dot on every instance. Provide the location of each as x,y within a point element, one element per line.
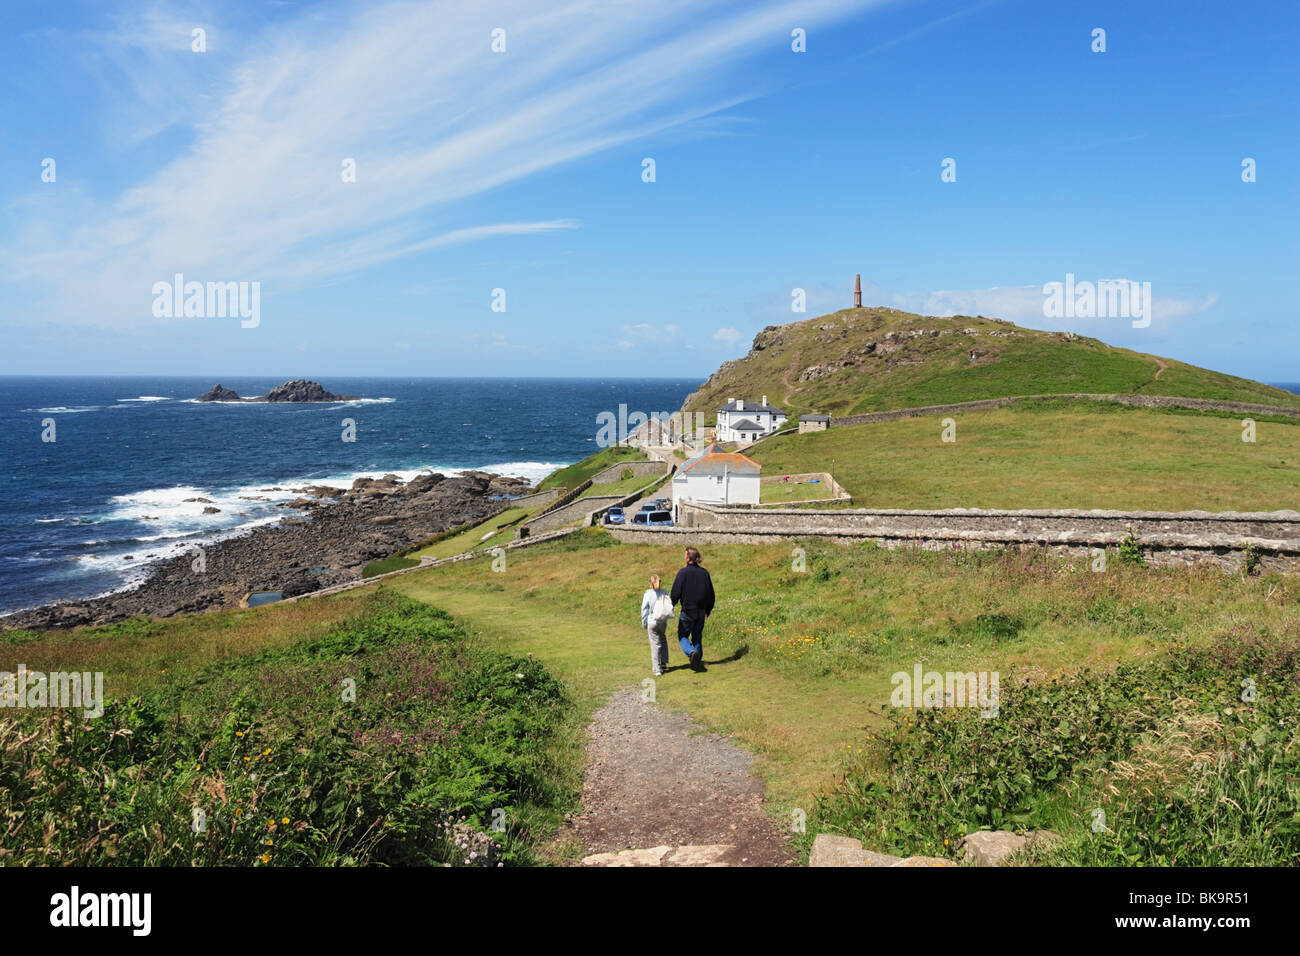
<point>181,525</point>
<point>66,410</point>
<point>146,398</point>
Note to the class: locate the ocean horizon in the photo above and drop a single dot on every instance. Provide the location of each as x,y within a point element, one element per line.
<point>86,514</point>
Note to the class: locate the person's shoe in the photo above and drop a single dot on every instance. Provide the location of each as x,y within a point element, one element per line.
<point>695,659</point>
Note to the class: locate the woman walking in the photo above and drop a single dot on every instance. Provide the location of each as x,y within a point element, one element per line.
<point>656,609</point>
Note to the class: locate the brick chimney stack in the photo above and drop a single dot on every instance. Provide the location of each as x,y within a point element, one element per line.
<point>857,291</point>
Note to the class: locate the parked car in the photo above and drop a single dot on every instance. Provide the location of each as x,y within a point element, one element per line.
<point>650,507</point>
<point>615,516</point>
<point>654,519</point>
<point>663,504</point>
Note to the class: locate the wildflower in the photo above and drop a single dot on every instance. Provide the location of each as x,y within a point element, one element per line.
<point>266,858</point>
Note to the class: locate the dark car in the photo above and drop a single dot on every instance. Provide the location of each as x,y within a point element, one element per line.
<point>649,507</point>
<point>663,504</point>
<point>615,516</point>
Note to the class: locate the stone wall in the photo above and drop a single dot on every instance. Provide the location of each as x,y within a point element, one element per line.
<point>639,468</point>
<point>1179,538</point>
<point>573,511</point>
<point>565,499</point>
<point>1140,401</point>
<point>535,500</point>
<point>1227,555</point>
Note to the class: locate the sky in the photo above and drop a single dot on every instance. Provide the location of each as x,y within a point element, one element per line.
<point>445,188</point>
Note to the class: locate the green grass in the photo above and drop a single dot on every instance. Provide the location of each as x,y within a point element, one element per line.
<point>809,655</point>
<point>801,664</point>
<point>623,488</point>
<point>386,740</point>
<point>1054,456</point>
<point>497,530</point>
<point>930,370</point>
<point>773,492</point>
<point>395,563</point>
<point>575,474</point>
<point>1164,762</point>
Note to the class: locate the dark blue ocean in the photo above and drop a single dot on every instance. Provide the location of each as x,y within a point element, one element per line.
<point>129,451</point>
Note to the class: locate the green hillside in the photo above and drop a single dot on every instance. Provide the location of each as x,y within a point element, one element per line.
<point>1057,454</point>
<point>870,359</point>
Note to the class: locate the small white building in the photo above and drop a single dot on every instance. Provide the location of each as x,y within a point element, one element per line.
<point>718,478</point>
<point>746,422</point>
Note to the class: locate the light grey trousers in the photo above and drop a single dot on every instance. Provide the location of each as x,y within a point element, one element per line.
<point>658,648</point>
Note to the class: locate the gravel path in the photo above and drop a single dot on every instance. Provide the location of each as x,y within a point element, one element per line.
<point>657,779</point>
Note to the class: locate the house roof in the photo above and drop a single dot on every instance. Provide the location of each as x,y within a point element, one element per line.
<point>714,462</point>
<point>751,407</point>
<point>814,418</point>
<point>745,425</point>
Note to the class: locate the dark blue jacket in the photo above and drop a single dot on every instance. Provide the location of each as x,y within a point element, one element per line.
<point>693,590</point>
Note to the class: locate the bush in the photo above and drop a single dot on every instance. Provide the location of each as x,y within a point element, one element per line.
<point>1188,757</point>
<point>389,740</point>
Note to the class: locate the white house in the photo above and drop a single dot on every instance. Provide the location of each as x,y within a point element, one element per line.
<point>717,477</point>
<point>745,422</point>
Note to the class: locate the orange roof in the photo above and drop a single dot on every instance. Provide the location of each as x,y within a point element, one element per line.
<point>733,460</point>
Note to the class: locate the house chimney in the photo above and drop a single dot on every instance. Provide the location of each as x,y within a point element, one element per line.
<point>740,405</point>
<point>857,291</point>
<point>764,399</point>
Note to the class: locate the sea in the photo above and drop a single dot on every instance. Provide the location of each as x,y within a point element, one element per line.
<point>83,514</point>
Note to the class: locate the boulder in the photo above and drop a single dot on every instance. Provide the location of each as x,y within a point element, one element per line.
<point>219,393</point>
<point>925,861</point>
<point>992,847</point>
<point>301,390</point>
<point>831,850</point>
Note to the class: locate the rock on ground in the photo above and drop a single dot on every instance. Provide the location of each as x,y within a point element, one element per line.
<point>655,780</point>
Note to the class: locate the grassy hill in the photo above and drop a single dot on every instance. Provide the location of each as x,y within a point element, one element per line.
<point>870,359</point>
<point>1058,454</point>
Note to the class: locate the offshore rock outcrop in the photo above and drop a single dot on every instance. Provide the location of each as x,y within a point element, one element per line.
<point>298,390</point>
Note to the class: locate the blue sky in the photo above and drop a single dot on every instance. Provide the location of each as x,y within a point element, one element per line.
<point>522,171</point>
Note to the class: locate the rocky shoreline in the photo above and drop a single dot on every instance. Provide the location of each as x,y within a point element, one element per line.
<point>339,532</point>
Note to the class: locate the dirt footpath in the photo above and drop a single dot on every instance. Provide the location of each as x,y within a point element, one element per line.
<point>656,780</point>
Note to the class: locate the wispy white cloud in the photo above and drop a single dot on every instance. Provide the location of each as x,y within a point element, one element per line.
<point>412,93</point>
<point>1024,306</point>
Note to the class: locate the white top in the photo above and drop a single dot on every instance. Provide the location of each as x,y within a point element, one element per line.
<point>648,602</point>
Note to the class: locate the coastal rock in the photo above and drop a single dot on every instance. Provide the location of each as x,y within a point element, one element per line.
<point>294,556</point>
<point>219,393</point>
<point>298,390</point>
<point>209,510</point>
<point>205,501</point>
<point>301,390</point>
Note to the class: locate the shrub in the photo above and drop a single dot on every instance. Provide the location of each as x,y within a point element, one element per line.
<point>276,761</point>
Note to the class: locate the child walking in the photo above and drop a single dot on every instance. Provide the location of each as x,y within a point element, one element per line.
<point>656,611</point>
